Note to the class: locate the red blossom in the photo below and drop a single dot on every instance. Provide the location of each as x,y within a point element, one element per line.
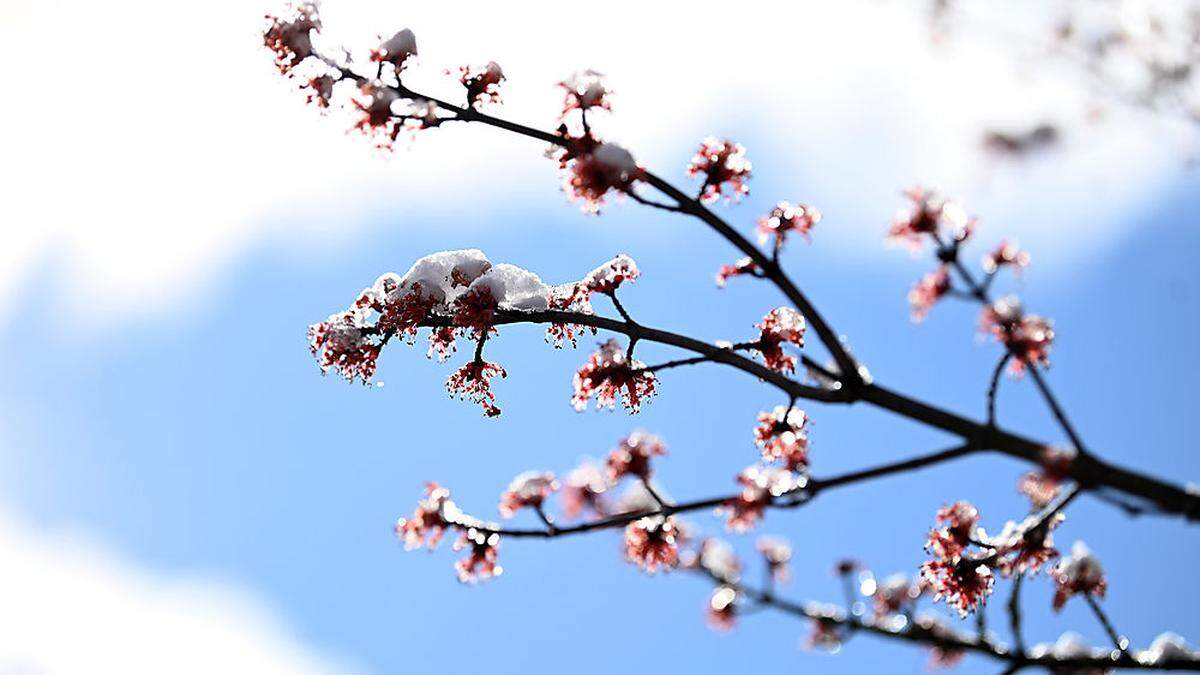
<point>785,218</point>
<point>780,326</point>
<point>958,521</point>
<point>480,562</point>
<point>1044,484</point>
<point>739,268</point>
<point>396,50</point>
<point>781,436</point>
<point>723,164</point>
<point>427,524</point>
<point>632,456</point>
<point>291,38</point>
<point>963,582</point>
<point>320,90</point>
<point>482,83</point>
<point>591,170</point>
<point>652,543</point>
<point>584,489</point>
<point>528,489</point>
<point>930,214</point>
<point>377,120</point>
<point>441,343</point>
<point>342,343</point>
<point>760,487</point>
<point>722,608</point>
<point>1025,547</point>
<point>1028,337</point>
<point>926,293</point>
<point>1078,574</point>
<point>473,382</point>
<point>1005,253</point>
<point>585,90</point>
<point>609,374</point>
<point>475,310</point>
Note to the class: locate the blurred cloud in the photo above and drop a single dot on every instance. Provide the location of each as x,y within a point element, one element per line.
<point>149,144</point>
<point>71,606</point>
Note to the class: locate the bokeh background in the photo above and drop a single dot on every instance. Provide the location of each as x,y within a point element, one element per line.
<point>180,490</point>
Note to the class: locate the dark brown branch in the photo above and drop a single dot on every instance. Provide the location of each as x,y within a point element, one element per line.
<point>946,639</point>
<point>787,501</point>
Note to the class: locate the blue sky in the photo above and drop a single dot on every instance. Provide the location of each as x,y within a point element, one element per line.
<point>170,446</point>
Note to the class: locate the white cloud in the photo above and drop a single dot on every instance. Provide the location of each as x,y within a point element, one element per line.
<point>147,144</point>
<point>71,607</point>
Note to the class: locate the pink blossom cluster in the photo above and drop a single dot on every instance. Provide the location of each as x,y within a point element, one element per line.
<point>723,165</point>
<point>609,374</point>
<point>782,436</point>
<point>781,326</point>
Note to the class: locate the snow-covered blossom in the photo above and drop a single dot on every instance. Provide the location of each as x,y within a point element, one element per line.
<point>482,83</point>
<point>963,582</point>
<point>777,553</point>
<point>529,488</point>
<point>1026,546</point>
<point>895,594</point>
<point>1077,574</point>
<point>1028,337</point>
<point>608,277</point>
<point>652,543</point>
<point>827,631</point>
<point>473,382</point>
<point>929,214</point>
<point>741,267</point>
<point>1070,645</point>
<point>1005,253</point>
<point>1043,485</point>
<point>343,343</point>
<point>927,291</point>
<point>781,436</point>
<point>482,551</point>
<point>760,487</point>
<point>723,164</point>
<point>787,217</point>
<point>1167,647</point>
<point>609,373</point>
<point>584,90</point>
<point>716,557</point>
<point>941,655</point>
<point>396,50</point>
<point>291,38</point>
<point>632,456</point>
<point>958,522</point>
<point>722,608</point>
<point>782,325</point>
<point>428,523</point>
<point>637,498</point>
<point>583,489</point>
<point>591,170</point>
